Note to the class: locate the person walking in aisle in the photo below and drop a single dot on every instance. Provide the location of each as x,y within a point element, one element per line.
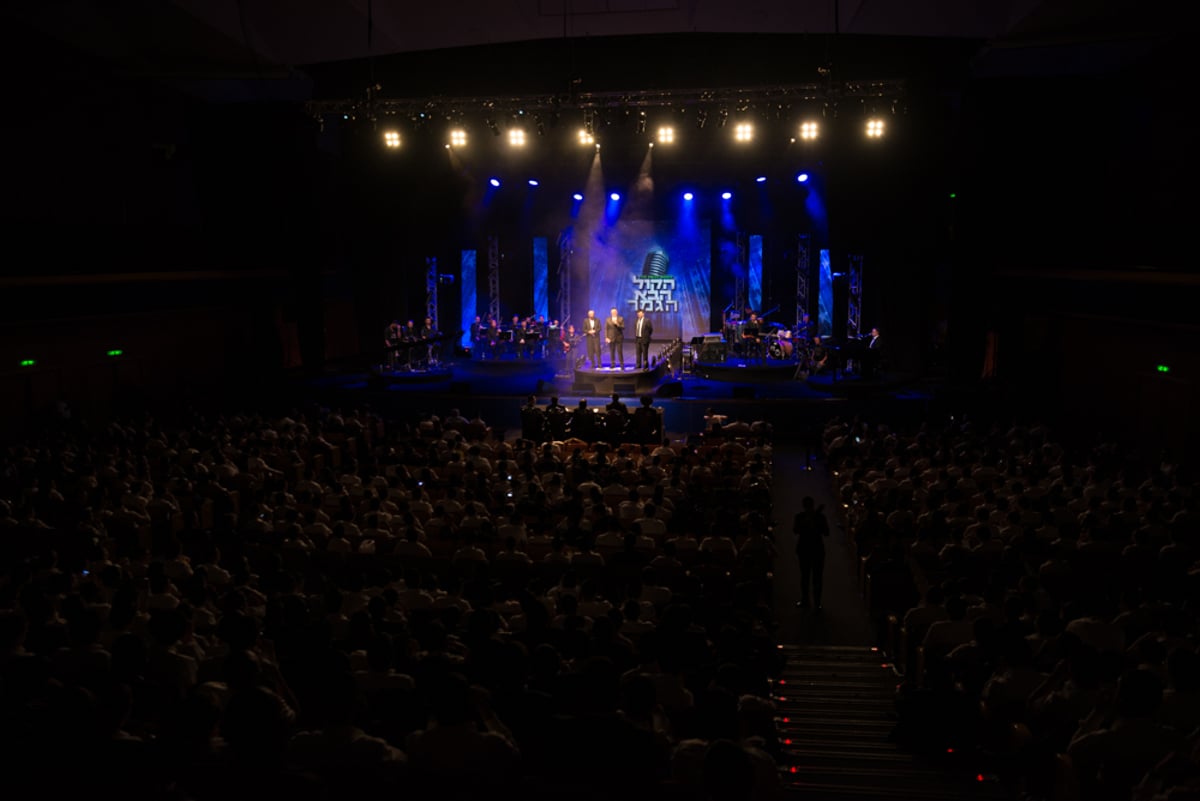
<point>811,528</point>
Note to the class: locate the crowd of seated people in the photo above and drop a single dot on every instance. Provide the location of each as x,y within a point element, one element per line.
<point>1045,602</point>
<point>614,422</point>
<point>334,605</point>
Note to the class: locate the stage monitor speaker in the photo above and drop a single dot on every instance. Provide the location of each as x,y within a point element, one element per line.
<point>671,389</point>
<point>743,393</point>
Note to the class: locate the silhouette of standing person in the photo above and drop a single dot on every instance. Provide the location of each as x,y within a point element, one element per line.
<point>811,528</point>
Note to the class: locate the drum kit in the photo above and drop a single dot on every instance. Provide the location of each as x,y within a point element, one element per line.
<point>780,345</point>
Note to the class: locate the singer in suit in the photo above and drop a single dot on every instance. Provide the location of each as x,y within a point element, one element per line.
<point>591,335</point>
<point>614,335</point>
<point>643,330</point>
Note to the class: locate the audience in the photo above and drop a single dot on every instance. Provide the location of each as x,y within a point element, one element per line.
<point>1045,616</point>
<point>331,604</point>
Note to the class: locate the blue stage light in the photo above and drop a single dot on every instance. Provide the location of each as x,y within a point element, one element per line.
<point>494,182</point>
<point>762,179</point>
<point>802,177</point>
<point>688,196</point>
<point>577,197</point>
<point>614,197</point>
<point>533,181</point>
<point>726,195</point>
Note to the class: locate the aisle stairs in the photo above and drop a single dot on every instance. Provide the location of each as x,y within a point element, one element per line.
<point>835,712</point>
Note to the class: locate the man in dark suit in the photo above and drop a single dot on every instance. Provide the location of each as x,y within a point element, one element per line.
<point>591,335</point>
<point>643,330</point>
<point>614,335</point>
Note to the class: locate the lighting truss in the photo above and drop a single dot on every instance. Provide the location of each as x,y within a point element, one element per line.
<point>767,99</point>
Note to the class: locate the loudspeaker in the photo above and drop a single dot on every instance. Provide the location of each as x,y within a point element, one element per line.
<point>743,393</point>
<point>671,389</point>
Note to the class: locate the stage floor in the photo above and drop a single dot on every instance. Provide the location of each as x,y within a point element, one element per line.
<point>495,390</point>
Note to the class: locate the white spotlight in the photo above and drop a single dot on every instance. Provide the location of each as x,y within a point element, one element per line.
<point>743,132</point>
<point>666,135</point>
<point>586,138</point>
<point>458,138</point>
<point>809,130</point>
<point>874,128</point>
<point>516,137</point>
<point>391,139</point>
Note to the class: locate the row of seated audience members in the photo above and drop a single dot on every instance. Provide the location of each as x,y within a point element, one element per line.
<point>331,605</point>
<point>1048,602</point>
<point>613,423</point>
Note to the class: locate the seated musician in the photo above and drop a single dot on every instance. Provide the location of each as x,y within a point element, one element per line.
<point>491,337</point>
<point>805,330</point>
<point>732,332</point>
<point>752,344</point>
<point>554,339</point>
<point>429,334</point>
<point>571,339</point>
<point>542,329</point>
<point>819,356</point>
<point>392,337</point>
<point>478,333</point>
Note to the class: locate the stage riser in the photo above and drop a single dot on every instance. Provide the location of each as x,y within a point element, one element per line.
<point>630,383</point>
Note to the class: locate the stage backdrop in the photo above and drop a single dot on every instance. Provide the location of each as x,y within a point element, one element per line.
<point>663,268</point>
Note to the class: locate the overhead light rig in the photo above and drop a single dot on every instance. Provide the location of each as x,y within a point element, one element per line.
<point>770,101</point>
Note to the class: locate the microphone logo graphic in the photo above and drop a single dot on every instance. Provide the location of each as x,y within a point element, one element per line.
<point>655,264</point>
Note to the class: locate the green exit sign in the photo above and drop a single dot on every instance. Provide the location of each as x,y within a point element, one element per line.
<point>28,362</point>
<point>116,352</point>
<point>1163,368</point>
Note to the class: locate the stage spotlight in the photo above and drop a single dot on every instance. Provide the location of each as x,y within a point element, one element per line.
<point>726,195</point>
<point>666,135</point>
<point>874,128</point>
<point>688,196</point>
<point>801,177</point>
<point>516,137</point>
<point>743,132</point>
<point>614,197</point>
<point>494,182</point>
<point>762,179</point>
<point>586,138</point>
<point>640,127</point>
<point>533,181</point>
<point>577,197</point>
<point>458,138</point>
<point>809,130</point>
<point>701,118</point>
<point>391,139</point>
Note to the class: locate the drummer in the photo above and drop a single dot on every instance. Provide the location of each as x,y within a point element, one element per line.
<point>787,346</point>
